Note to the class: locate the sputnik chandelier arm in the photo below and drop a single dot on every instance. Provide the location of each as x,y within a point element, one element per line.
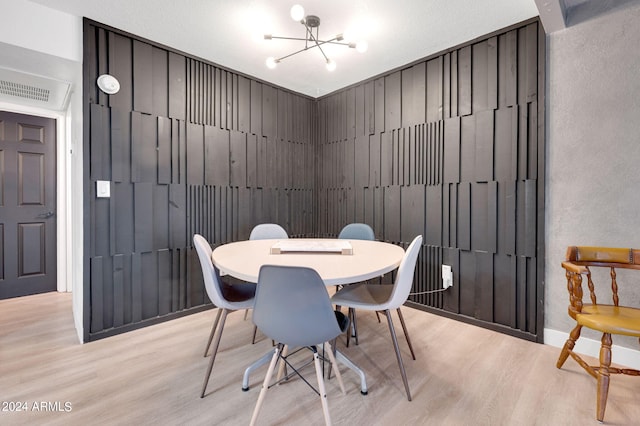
<point>310,39</point>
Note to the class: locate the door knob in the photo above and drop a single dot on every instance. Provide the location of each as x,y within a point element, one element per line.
<point>46,215</point>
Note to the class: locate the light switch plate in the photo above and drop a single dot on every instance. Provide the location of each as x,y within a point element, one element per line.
<point>103,189</point>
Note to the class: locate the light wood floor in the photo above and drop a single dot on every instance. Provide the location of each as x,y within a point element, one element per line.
<point>463,375</point>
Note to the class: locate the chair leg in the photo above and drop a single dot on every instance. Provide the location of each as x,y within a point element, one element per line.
<point>378,316</point>
<point>397,349</point>
<point>568,345</point>
<point>214,351</point>
<point>603,376</point>
<point>282,368</point>
<point>265,384</point>
<point>213,330</point>
<point>321,388</point>
<point>406,335</point>
<point>255,330</point>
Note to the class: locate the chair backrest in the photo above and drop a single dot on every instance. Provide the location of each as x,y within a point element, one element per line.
<point>582,260</point>
<point>404,276</point>
<point>357,231</point>
<point>292,306</point>
<point>268,231</point>
<point>210,273</point>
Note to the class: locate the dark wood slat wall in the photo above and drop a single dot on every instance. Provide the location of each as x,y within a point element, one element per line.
<point>452,148</point>
<point>188,147</point>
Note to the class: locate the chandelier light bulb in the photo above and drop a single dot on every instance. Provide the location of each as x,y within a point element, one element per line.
<point>362,46</point>
<point>297,12</point>
<point>271,62</point>
<point>331,66</point>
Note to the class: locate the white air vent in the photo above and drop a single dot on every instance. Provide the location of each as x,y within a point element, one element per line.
<point>30,89</point>
<point>23,91</point>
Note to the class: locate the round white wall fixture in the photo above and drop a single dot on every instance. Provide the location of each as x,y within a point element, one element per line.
<point>108,84</point>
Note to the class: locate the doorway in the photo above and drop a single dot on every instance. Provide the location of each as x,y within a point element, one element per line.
<point>28,250</point>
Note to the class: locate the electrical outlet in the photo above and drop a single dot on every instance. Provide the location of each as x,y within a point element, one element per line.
<point>447,276</point>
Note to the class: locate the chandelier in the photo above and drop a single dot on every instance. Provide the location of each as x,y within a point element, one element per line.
<point>312,39</point>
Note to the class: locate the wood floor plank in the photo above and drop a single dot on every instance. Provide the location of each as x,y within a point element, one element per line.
<point>463,375</point>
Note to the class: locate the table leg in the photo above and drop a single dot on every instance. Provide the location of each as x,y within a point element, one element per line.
<point>347,362</point>
<point>257,364</point>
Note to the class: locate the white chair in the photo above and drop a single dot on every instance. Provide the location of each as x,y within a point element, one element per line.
<point>227,298</point>
<point>292,307</point>
<point>385,297</point>
<point>356,231</point>
<point>266,231</point>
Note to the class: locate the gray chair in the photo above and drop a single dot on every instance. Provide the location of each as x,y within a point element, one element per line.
<point>266,231</point>
<point>356,231</point>
<point>227,298</point>
<point>292,307</point>
<point>386,297</point>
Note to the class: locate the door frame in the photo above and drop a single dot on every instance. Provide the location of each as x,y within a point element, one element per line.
<point>63,146</point>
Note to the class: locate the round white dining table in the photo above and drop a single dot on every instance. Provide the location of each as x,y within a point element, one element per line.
<point>369,259</point>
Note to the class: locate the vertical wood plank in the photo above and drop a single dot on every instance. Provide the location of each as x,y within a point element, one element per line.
<point>164,150</point>
<point>451,166</point>
<point>164,282</point>
<point>143,212</point>
<point>136,287</point>
<point>237,159</point>
<point>244,104</point>
<point>118,290</point>
<point>434,88</point>
<point>412,212</point>
<point>195,154</point>
<point>380,104</point>
<point>160,218</point>
<point>468,149</point>
<point>159,82</point>
<point>479,216</point>
<point>177,86</point>
<point>142,83</point>
<point>120,145</point>
<point>121,67</point>
<point>484,146</point>
<point>122,206</point>
<point>467,283</point>
<point>484,286</point>
<point>143,148</point>
<point>149,276</point>
<point>97,296</point>
<point>464,81</point>
<point>393,101</point>
<point>178,237</point>
<point>464,213</point>
<point>508,69</point>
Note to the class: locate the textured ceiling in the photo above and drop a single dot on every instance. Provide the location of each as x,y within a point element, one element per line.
<point>230,32</point>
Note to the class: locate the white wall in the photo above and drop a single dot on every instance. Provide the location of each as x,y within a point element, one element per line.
<point>42,29</point>
<point>38,40</point>
<point>593,153</point>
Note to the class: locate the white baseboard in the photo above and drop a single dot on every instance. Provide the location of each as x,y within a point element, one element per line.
<point>619,355</point>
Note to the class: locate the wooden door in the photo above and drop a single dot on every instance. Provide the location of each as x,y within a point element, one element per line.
<point>27,205</point>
